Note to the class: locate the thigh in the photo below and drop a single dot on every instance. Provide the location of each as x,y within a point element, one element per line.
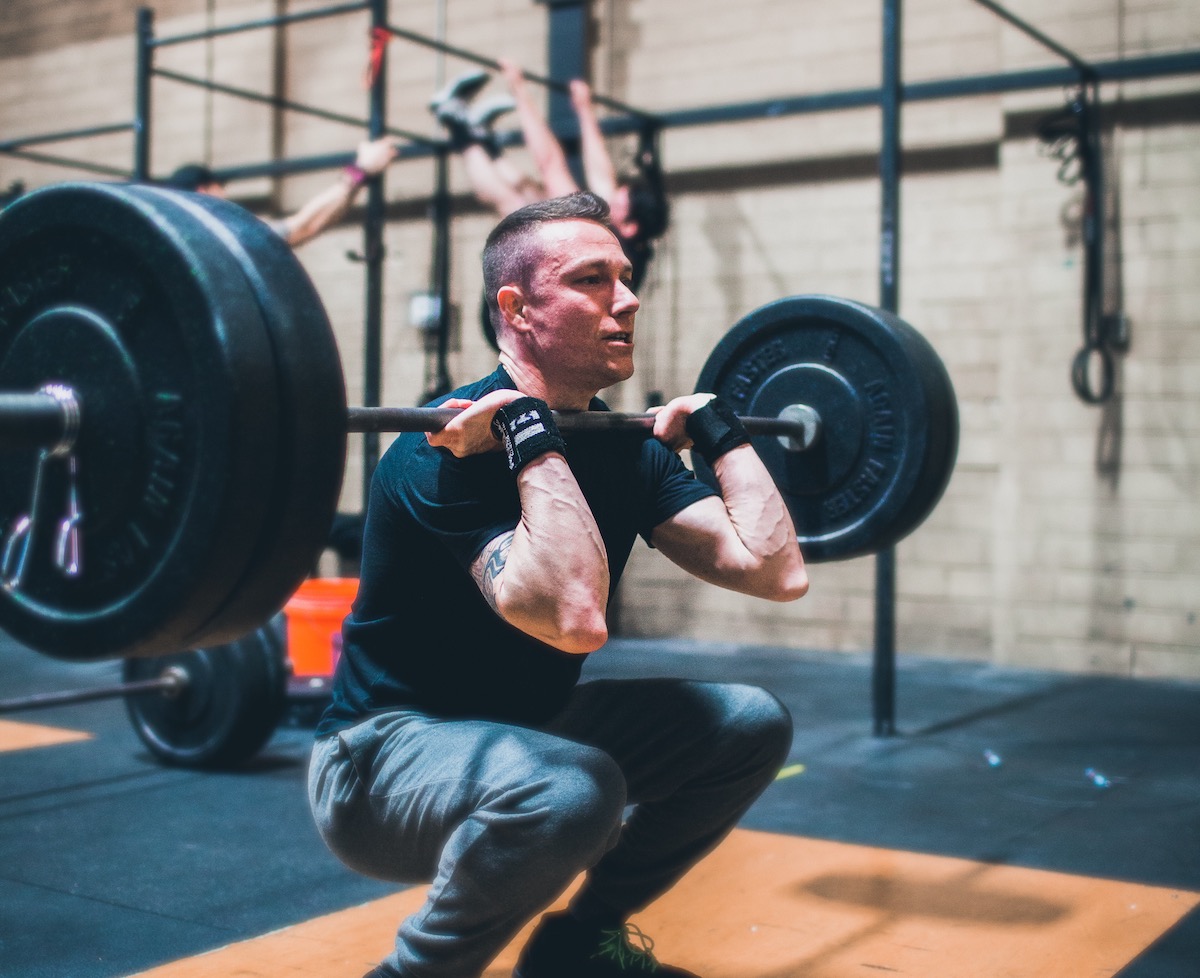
<point>398,784</point>
<point>664,732</point>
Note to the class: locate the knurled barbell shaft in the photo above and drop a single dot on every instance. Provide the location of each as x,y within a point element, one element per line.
<point>434,419</point>
<point>42,420</point>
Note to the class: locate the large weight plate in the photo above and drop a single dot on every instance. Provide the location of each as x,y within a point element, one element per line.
<point>150,321</point>
<point>231,705</point>
<point>889,419</point>
<point>311,440</point>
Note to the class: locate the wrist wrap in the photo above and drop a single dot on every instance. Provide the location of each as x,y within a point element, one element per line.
<point>527,429</point>
<point>356,176</point>
<point>714,430</point>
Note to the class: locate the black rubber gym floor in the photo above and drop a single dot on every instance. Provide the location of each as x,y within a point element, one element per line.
<point>111,864</point>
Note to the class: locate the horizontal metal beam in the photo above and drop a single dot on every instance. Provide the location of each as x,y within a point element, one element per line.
<point>254,25</point>
<point>99,168</point>
<point>1126,69</point>
<point>65,135</point>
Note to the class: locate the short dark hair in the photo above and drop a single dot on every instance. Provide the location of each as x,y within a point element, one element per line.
<point>510,252</point>
<point>648,207</point>
<point>192,176</point>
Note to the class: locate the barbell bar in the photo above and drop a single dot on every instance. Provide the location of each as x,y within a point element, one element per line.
<point>188,437</point>
<point>205,708</point>
<point>172,681</point>
<point>51,421</point>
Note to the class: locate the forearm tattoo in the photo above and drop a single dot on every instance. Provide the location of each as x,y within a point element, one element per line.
<point>490,564</point>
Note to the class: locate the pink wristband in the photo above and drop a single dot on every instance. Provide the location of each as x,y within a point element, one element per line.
<point>357,175</point>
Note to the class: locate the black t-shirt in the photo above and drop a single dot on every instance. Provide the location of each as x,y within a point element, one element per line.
<point>419,633</point>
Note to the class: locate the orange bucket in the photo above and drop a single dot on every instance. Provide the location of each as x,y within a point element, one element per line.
<point>314,623</point>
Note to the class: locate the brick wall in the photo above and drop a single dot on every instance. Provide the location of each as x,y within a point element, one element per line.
<point>1068,537</point>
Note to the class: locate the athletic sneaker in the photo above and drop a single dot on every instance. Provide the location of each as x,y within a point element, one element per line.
<point>562,947</point>
<point>455,116</point>
<point>464,87</point>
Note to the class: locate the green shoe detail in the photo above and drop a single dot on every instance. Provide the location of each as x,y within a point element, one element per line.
<point>616,946</point>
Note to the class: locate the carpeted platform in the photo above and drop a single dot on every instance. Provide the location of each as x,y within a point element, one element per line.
<point>973,843</point>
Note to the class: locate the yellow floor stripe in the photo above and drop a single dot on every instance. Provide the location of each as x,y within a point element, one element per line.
<point>774,906</point>
<point>15,735</point>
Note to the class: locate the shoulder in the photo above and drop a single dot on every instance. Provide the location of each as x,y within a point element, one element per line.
<point>496,380</point>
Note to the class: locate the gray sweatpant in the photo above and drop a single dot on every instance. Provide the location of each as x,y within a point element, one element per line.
<point>501,818</point>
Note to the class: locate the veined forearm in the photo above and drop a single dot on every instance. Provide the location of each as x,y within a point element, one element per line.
<point>554,580</point>
<point>760,521</point>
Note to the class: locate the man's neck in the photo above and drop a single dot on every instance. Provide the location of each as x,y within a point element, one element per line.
<point>533,382</point>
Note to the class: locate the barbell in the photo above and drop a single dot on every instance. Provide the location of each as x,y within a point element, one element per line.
<point>209,707</point>
<point>174,418</point>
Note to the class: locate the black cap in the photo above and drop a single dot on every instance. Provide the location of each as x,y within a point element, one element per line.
<point>192,176</point>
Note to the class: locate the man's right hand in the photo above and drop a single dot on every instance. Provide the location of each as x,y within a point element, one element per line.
<point>470,432</point>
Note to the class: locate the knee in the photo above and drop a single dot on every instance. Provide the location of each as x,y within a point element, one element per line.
<point>759,723</point>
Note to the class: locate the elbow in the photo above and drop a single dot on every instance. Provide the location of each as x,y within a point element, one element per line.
<point>580,636</point>
<point>786,580</point>
<point>791,586</point>
<point>577,632</point>
<point>792,583</point>
<point>582,642</point>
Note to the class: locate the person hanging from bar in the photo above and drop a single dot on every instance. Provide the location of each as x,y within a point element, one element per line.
<point>321,211</point>
<point>459,746</point>
<point>638,202</point>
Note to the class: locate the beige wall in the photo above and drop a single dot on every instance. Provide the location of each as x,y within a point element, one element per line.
<point>1069,536</point>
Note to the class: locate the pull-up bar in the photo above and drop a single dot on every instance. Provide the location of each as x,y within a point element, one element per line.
<point>552,83</point>
<point>282,103</point>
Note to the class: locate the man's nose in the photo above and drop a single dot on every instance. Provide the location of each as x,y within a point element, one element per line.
<point>624,299</point>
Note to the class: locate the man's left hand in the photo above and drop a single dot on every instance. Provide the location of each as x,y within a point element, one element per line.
<point>671,418</point>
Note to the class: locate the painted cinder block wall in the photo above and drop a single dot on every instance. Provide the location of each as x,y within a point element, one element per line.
<point>1068,537</point>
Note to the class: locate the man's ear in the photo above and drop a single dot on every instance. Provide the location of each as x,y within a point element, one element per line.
<point>511,301</point>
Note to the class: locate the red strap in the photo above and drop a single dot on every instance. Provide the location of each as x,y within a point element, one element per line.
<point>379,41</point>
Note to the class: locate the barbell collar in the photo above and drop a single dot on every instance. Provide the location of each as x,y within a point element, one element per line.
<point>809,422</point>
<point>47,419</point>
<point>796,431</point>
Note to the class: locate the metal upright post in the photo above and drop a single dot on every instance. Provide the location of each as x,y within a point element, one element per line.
<point>141,108</point>
<point>884,667</point>
<point>566,58</point>
<point>373,254</point>
<point>441,276</point>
